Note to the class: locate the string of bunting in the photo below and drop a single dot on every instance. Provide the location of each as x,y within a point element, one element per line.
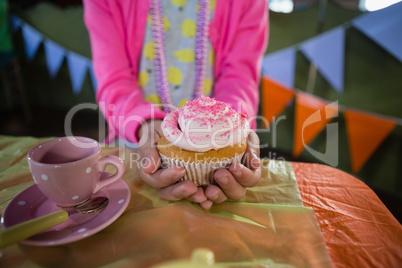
<point>362,140</point>
<point>325,51</point>
<point>55,54</point>
<point>365,130</point>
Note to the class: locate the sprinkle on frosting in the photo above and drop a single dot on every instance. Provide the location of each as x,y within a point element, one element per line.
<point>204,124</point>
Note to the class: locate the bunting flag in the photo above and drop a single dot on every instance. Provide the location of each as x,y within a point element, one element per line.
<point>15,22</point>
<point>275,98</point>
<point>365,134</point>
<point>93,77</point>
<point>327,52</point>
<point>77,66</point>
<point>54,56</point>
<point>32,40</point>
<point>311,116</point>
<point>280,66</point>
<point>384,27</point>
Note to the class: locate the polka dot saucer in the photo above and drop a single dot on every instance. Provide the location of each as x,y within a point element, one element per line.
<point>31,203</point>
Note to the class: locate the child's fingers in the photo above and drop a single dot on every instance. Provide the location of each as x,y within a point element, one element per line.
<point>198,197</point>
<point>215,194</point>
<point>230,187</point>
<point>206,204</point>
<point>245,176</point>
<point>163,177</point>
<point>149,162</point>
<point>253,145</point>
<point>249,174</point>
<point>178,191</point>
<point>149,159</point>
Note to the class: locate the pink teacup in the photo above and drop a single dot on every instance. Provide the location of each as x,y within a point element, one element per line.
<point>68,170</point>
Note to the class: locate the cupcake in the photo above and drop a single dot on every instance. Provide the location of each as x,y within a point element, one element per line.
<point>203,136</point>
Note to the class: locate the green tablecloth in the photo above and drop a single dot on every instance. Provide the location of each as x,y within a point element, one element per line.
<point>270,225</point>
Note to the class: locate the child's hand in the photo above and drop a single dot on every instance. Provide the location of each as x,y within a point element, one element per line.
<point>163,179</point>
<point>233,182</point>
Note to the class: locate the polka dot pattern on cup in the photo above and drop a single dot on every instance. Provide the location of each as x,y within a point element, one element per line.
<point>120,201</point>
<point>22,203</point>
<point>88,170</point>
<point>75,197</point>
<point>82,230</point>
<point>44,177</point>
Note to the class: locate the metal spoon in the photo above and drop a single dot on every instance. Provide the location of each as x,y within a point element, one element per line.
<point>22,231</point>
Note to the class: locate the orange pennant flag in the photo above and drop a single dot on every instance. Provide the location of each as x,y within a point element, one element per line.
<point>275,98</point>
<point>365,133</point>
<point>311,116</point>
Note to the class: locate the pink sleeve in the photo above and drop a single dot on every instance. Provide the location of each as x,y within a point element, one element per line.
<point>239,66</point>
<point>118,95</point>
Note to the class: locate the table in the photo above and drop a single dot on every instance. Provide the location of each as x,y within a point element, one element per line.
<point>342,220</point>
<point>358,229</point>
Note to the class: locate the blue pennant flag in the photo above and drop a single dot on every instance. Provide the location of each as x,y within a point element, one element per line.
<point>327,52</point>
<point>54,56</point>
<point>384,27</point>
<point>93,77</point>
<point>78,66</point>
<point>15,22</point>
<point>280,66</point>
<point>32,40</point>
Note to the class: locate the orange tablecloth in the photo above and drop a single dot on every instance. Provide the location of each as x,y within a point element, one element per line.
<point>358,229</point>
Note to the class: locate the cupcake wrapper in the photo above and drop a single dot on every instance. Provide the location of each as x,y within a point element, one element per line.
<point>201,173</point>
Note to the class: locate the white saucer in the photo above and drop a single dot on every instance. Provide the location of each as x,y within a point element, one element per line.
<point>31,203</point>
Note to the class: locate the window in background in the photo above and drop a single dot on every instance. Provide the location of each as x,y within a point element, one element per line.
<point>372,5</point>
<point>288,6</point>
<point>281,6</point>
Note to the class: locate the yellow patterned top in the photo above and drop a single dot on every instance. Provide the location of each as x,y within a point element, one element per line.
<point>179,17</point>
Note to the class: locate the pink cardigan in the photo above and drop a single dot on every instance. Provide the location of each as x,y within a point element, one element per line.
<point>238,33</point>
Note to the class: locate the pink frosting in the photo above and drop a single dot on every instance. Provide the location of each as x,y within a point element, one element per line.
<point>204,124</point>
